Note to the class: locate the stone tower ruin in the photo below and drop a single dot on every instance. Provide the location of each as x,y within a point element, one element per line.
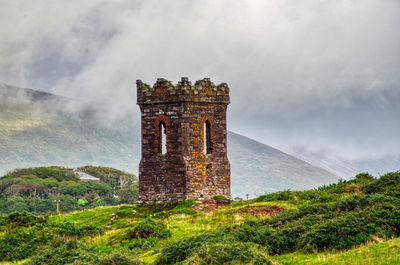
<point>184,152</point>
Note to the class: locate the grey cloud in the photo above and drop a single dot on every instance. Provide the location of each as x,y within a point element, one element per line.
<point>302,73</point>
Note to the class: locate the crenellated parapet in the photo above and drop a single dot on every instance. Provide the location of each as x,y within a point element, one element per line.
<point>164,91</point>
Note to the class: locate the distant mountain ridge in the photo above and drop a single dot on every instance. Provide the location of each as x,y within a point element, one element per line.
<point>40,129</point>
<point>270,168</point>
<point>11,91</point>
<point>347,169</point>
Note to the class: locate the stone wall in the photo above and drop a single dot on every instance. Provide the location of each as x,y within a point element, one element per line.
<point>184,171</point>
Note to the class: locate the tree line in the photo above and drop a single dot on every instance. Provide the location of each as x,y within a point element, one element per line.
<point>38,190</point>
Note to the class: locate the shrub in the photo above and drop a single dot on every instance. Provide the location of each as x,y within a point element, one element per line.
<point>363,178</point>
<point>276,196</point>
<point>20,243</point>
<point>69,252</point>
<point>82,202</point>
<point>118,259</point>
<point>148,227</point>
<point>228,253</point>
<point>389,182</point>
<point>180,250</point>
<point>23,219</point>
<point>220,198</point>
<point>326,226</point>
<point>66,228</point>
<point>212,248</point>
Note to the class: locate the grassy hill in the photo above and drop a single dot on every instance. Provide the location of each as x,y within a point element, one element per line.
<point>40,129</point>
<point>350,222</point>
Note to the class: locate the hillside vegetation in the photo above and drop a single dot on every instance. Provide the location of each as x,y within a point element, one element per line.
<point>37,190</point>
<point>350,222</point>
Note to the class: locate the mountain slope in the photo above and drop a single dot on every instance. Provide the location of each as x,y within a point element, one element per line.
<point>40,129</point>
<point>258,168</point>
<point>348,168</point>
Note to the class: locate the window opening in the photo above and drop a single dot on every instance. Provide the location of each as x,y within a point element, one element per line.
<point>163,138</point>
<point>207,148</point>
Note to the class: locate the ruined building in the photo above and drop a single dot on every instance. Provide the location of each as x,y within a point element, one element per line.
<point>183,140</point>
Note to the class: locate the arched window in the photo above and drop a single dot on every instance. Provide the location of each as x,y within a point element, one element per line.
<point>162,135</point>
<point>162,143</point>
<point>207,141</point>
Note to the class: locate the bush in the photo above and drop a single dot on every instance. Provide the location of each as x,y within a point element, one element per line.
<point>212,248</point>
<point>69,252</point>
<point>70,229</point>
<point>26,234</point>
<point>220,198</point>
<point>276,196</point>
<point>180,250</point>
<point>389,182</point>
<point>23,219</point>
<point>326,226</point>
<point>322,194</point>
<point>82,202</point>
<point>20,243</point>
<point>165,209</point>
<point>228,253</point>
<point>363,178</point>
<point>148,227</point>
<point>118,259</point>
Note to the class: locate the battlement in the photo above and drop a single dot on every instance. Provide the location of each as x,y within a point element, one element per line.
<point>164,91</point>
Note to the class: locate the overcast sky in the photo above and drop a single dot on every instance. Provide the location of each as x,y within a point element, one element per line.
<point>319,76</point>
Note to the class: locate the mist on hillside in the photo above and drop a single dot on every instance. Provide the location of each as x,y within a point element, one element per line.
<point>315,80</point>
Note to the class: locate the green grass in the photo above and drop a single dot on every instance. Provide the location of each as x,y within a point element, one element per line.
<point>98,216</point>
<point>387,252</point>
<point>354,222</point>
<point>181,225</point>
<point>149,256</point>
<point>184,226</point>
